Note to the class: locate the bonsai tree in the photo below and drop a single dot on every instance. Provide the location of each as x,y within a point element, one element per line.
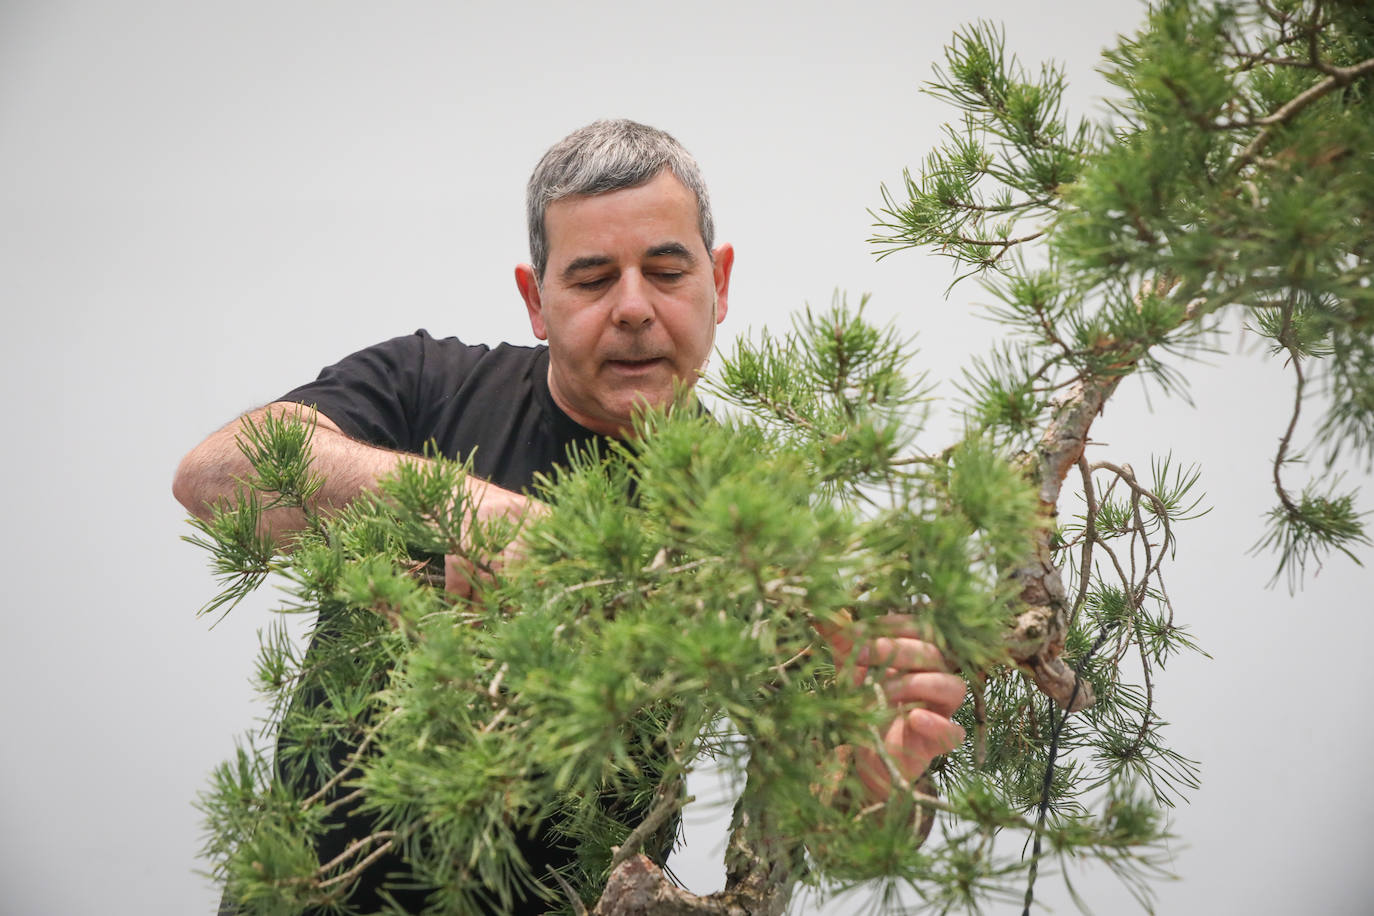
<point>670,607</point>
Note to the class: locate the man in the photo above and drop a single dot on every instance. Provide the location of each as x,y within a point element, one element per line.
<point>626,287</point>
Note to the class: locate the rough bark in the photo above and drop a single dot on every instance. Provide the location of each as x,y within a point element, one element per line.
<point>1036,640</point>
<point>761,866</point>
<point>639,888</point>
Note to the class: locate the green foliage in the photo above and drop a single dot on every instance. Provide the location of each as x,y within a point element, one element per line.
<point>836,383</point>
<point>278,448</point>
<point>1235,174</point>
<point>673,583</point>
<point>241,544</point>
<point>1005,164</point>
<point>1305,530</point>
<point>241,550</point>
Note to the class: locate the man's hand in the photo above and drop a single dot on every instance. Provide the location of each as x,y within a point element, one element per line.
<point>918,689</point>
<point>492,502</point>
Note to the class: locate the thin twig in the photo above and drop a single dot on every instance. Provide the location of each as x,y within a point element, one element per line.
<point>980,721</point>
<point>1282,453</point>
<point>598,583</point>
<point>1028,204</point>
<point>1089,538</point>
<point>1057,724</point>
<point>340,802</point>
<point>353,759</point>
<point>1138,592</point>
<point>1148,715</point>
<point>994,243</point>
<point>362,866</point>
<point>578,908</point>
<point>495,720</point>
<point>665,804</point>
<point>353,849</point>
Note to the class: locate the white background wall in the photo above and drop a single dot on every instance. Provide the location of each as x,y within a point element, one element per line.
<point>203,203</point>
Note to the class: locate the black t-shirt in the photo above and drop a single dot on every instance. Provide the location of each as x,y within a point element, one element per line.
<point>410,390</point>
<point>492,404</point>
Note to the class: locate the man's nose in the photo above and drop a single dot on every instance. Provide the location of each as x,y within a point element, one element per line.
<point>634,307</point>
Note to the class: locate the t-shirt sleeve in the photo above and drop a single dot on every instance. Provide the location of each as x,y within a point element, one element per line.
<point>373,395</point>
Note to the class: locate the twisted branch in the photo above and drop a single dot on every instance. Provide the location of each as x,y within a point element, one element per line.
<point>1037,635</point>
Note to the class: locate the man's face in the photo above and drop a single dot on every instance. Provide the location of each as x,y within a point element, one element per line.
<point>629,300</point>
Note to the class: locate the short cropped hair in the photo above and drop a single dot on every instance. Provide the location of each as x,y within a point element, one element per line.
<point>606,156</point>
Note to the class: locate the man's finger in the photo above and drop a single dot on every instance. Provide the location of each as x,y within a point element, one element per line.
<point>940,693</point>
<point>911,742</point>
<point>462,577</point>
<point>918,737</point>
<point>458,576</point>
<point>838,633</point>
<point>896,626</point>
<point>904,654</point>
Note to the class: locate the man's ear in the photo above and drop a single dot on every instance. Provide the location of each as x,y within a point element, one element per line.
<point>528,284</point>
<point>722,261</point>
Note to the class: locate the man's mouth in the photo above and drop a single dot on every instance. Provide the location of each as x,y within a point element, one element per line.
<point>633,364</point>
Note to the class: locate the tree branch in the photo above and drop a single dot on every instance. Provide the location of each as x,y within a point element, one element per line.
<point>664,805</point>
<point>1037,636</point>
<point>1002,243</point>
<point>362,866</point>
<point>1281,455</point>
<point>1336,78</point>
<point>352,763</point>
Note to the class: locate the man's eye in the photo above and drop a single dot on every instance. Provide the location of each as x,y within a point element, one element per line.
<point>593,284</point>
<point>670,276</point>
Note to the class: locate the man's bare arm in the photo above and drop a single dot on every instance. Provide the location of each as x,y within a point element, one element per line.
<point>211,472</point>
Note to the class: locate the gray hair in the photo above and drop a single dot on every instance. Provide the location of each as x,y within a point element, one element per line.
<point>608,156</point>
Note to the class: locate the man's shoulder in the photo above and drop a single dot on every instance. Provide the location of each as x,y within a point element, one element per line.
<point>456,348</point>
<point>447,358</point>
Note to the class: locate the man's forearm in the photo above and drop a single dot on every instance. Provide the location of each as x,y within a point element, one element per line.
<point>212,472</point>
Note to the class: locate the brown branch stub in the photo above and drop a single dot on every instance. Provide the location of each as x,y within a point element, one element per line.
<point>761,867</point>
<point>1058,682</point>
<point>638,887</point>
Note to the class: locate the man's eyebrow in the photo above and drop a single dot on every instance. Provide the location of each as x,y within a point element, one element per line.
<point>671,250</point>
<point>584,262</point>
